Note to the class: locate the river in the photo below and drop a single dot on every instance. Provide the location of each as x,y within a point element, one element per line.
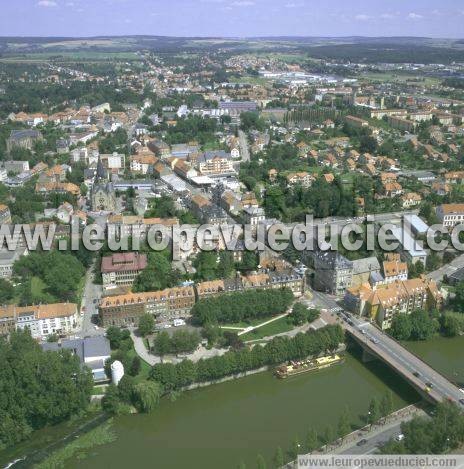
<point>221,425</point>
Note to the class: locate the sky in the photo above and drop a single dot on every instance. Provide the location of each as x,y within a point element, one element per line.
<point>233,18</point>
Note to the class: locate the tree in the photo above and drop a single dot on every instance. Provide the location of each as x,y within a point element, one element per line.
<point>212,333</point>
<point>110,402</point>
<point>458,302</point>
<point>367,144</point>
<point>135,367</point>
<point>401,327</point>
<point>274,352</point>
<point>146,324</point>
<point>162,343</point>
<point>184,341</point>
<point>206,264</point>
<point>260,462</point>
<point>126,388</point>
<point>329,435</point>
<point>158,274</point>
<point>33,383</point>
<point>374,411</point>
<point>118,337</point>
<point>6,291</point>
<point>295,449</point>
<point>452,324</point>
<point>240,306</point>
<point>344,426</point>
<point>278,458</point>
<point>299,314</point>
<point>312,441</point>
<point>423,325</point>
<point>147,395</point>
<point>386,404</point>
<point>433,261</point>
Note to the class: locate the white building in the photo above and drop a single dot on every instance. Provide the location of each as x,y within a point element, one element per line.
<point>44,320</point>
<point>450,215</point>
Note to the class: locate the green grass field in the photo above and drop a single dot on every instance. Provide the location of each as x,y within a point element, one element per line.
<point>276,327</point>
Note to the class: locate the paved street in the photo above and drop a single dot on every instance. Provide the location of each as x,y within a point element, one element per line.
<point>200,352</point>
<point>417,372</point>
<point>378,435</point>
<point>412,368</point>
<point>91,295</point>
<point>244,151</point>
<point>447,269</point>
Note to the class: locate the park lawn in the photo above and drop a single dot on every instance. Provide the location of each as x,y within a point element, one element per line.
<point>276,327</point>
<point>245,324</point>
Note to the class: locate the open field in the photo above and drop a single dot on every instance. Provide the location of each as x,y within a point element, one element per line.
<point>69,56</point>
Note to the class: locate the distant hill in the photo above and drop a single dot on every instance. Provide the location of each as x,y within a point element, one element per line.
<point>353,48</point>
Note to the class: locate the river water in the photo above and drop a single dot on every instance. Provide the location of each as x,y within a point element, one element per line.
<point>221,425</point>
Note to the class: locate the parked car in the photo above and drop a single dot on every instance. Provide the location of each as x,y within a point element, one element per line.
<point>361,442</point>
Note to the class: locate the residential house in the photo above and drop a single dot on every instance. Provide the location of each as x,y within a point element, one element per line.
<point>383,303</point>
<point>411,199</point>
<point>122,268</point>
<point>45,319</point>
<point>450,215</point>
<point>164,305</point>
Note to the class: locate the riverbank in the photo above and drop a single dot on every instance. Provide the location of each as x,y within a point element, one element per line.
<point>49,440</point>
<point>221,425</point>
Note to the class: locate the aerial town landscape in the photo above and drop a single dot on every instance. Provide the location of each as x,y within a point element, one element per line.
<point>230,250</point>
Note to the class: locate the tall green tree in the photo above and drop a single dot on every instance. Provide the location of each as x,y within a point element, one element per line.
<point>260,462</point>
<point>278,458</point>
<point>344,426</point>
<point>386,404</point>
<point>373,414</point>
<point>147,395</point>
<point>312,440</point>
<point>146,324</point>
<point>162,343</point>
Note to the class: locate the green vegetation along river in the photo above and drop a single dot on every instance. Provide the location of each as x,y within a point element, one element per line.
<point>221,425</point>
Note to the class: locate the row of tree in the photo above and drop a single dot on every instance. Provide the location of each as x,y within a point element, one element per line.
<point>313,440</point>
<point>278,350</point>
<point>241,306</point>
